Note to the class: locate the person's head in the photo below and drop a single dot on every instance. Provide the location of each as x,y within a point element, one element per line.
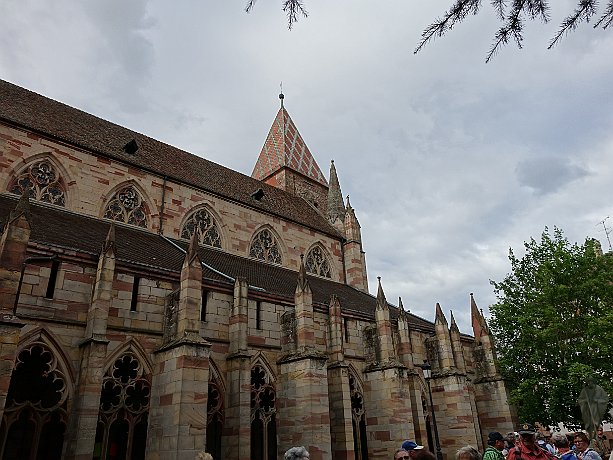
<point>296,453</point>
<point>496,440</point>
<point>401,454</point>
<point>581,441</point>
<point>424,454</point>
<point>527,435</point>
<point>204,456</point>
<point>600,430</point>
<point>559,440</point>
<point>411,447</point>
<point>467,453</point>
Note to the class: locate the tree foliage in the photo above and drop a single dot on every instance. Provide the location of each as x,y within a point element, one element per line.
<point>553,325</point>
<point>513,14</point>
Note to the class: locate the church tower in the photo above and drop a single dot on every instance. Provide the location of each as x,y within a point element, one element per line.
<point>286,162</point>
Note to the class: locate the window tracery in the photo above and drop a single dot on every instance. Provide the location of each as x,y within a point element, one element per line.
<point>205,227</point>
<point>263,422</point>
<point>358,420</point>
<point>124,407</point>
<point>127,206</point>
<point>42,182</point>
<point>265,247</point>
<point>215,418</point>
<point>317,263</point>
<point>35,415</point>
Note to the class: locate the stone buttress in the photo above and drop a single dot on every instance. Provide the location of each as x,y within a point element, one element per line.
<point>237,426</point>
<point>13,249</point>
<point>491,394</point>
<point>93,351</point>
<point>339,391</point>
<point>406,355</point>
<point>451,392</point>
<point>388,394</point>
<point>303,404</point>
<point>178,415</point>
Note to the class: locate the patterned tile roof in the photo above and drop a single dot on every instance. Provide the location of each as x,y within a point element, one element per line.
<point>284,147</point>
<point>47,117</point>
<point>55,227</point>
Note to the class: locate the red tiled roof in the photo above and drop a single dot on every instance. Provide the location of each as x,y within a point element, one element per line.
<point>50,118</point>
<point>284,147</point>
<point>55,227</point>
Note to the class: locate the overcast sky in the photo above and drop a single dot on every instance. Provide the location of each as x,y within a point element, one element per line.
<point>448,161</point>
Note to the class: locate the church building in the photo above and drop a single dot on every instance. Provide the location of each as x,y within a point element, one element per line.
<point>154,304</point>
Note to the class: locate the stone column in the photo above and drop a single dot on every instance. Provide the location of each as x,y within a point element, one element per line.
<point>84,417</point>
<point>339,392</point>
<point>302,393</point>
<point>178,414</point>
<point>237,426</point>
<point>13,249</point>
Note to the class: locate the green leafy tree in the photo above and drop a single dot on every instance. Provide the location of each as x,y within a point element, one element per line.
<point>553,325</point>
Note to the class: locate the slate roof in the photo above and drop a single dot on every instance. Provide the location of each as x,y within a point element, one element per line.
<point>54,227</point>
<point>50,118</point>
<point>284,147</point>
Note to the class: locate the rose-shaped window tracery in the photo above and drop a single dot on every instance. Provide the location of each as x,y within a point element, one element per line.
<point>205,227</point>
<point>42,182</point>
<point>127,206</point>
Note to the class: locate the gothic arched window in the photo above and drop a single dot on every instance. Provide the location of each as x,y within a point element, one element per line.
<point>205,227</point>
<point>317,263</point>
<point>35,416</point>
<point>124,407</point>
<point>215,418</point>
<point>265,247</point>
<point>42,182</point>
<point>358,420</point>
<point>127,206</point>
<point>263,422</point>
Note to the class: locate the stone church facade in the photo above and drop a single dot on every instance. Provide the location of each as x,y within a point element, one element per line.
<point>155,304</point>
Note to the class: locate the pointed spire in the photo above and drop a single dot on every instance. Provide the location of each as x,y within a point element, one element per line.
<point>22,208</point>
<point>348,203</point>
<point>336,207</point>
<point>440,316</point>
<point>478,321</point>
<point>285,148</point>
<point>192,250</point>
<point>303,282</point>
<point>109,242</point>
<point>381,301</point>
<point>454,325</point>
<point>402,314</point>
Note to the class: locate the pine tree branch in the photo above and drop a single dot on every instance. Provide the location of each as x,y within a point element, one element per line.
<point>500,7</point>
<point>456,14</point>
<point>293,8</point>
<point>607,18</point>
<point>584,12</point>
<point>512,29</point>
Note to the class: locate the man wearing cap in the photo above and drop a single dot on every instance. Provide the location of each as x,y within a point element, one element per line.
<point>412,448</point>
<point>495,444</point>
<point>528,449</point>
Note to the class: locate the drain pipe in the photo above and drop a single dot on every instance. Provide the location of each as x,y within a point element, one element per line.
<point>208,267</point>
<point>23,270</point>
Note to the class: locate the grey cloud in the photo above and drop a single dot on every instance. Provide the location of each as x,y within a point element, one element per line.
<point>548,174</point>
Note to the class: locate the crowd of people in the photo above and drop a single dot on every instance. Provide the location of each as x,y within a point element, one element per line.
<point>524,444</point>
